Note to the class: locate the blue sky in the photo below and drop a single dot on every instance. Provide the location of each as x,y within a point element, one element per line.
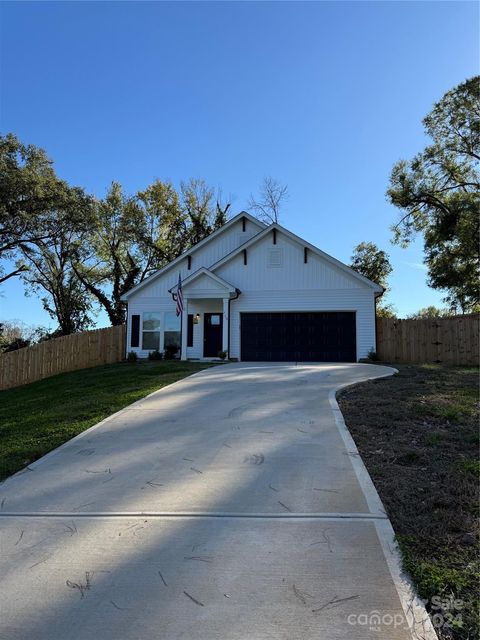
<point>322,96</point>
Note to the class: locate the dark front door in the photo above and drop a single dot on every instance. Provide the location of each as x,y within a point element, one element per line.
<point>212,334</point>
<point>305,337</point>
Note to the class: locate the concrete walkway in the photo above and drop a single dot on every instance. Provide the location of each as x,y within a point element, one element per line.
<point>231,505</point>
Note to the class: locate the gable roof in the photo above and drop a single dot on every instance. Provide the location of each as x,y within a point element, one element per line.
<point>203,271</point>
<point>328,258</point>
<point>191,250</point>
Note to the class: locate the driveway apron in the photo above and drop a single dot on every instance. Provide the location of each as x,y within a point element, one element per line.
<point>231,505</point>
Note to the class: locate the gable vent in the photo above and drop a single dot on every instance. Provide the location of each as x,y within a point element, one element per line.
<point>275,258</point>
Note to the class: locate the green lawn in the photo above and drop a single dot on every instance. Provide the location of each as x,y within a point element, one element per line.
<point>417,433</point>
<point>38,417</point>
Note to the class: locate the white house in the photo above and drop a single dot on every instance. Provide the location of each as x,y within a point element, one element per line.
<point>257,292</point>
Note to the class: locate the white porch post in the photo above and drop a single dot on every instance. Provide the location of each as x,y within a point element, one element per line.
<point>183,353</point>
<point>225,326</point>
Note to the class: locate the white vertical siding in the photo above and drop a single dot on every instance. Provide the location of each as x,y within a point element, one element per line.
<point>211,252</point>
<point>292,273</point>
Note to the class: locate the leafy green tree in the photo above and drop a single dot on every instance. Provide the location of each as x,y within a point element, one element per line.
<point>438,192</point>
<point>204,213</point>
<point>431,312</point>
<point>107,261</point>
<point>41,218</point>
<point>373,263</point>
<point>48,273</point>
<point>386,310</point>
<point>162,231</point>
<point>35,205</point>
<point>131,237</point>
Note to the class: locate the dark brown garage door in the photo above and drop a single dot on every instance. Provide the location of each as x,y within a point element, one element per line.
<point>299,337</point>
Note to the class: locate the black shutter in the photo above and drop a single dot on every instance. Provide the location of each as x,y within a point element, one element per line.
<point>135,334</point>
<point>190,330</point>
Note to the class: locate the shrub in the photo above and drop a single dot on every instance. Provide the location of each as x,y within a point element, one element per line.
<point>171,351</point>
<point>155,355</point>
<point>132,356</point>
<point>222,355</point>
<point>372,355</point>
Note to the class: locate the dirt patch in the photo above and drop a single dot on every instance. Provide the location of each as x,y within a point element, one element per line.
<point>417,433</point>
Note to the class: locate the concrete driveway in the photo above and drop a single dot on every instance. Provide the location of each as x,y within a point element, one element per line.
<point>231,505</point>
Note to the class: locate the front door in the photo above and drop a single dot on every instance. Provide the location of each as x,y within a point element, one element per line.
<point>212,334</point>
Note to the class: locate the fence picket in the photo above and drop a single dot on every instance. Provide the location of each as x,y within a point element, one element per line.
<point>68,353</point>
<point>454,340</point>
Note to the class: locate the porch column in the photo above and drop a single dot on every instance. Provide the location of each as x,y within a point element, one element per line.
<point>225,326</point>
<point>183,353</point>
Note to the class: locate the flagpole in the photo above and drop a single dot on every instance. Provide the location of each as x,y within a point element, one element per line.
<point>180,312</point>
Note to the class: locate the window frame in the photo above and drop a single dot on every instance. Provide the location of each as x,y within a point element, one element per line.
<point>159,330</point>
<point>165,330</point>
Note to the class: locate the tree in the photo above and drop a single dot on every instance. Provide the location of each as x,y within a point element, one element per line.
<point>131,237</point>
<point>431,312</point>
<point>438,192</point>
<point>35,205</point>
<point>386,310</point>
<point>271,198</point>
<point>49,271</point>
<point>106,262</point>
<point>202,216</point>
<point>162,231</point>
<point>373,263</point>
<point>14,335</point>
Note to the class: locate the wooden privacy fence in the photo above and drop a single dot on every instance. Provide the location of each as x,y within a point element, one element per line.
<point>68,353</point>
<point>453,340</point>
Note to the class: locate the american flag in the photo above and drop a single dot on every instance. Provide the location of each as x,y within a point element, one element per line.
<point>179,296</point>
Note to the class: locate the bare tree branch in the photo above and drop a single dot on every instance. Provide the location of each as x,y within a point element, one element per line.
<point>271,198</point>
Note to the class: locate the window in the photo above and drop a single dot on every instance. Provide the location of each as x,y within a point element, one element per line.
<point>172,330</point>
<point>151,331</point>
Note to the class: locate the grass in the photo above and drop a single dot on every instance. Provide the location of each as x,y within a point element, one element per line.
<point>38,417</point>
<point>417,433</point>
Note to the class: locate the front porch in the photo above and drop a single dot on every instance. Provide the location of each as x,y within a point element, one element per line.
<point>206,315</point>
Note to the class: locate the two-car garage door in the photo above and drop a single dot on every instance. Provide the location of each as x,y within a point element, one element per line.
<point>299,337</point>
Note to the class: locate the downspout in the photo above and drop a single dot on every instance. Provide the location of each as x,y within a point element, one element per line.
<point>237,294</point>
<point>375,298</point>
<point>126,330</point>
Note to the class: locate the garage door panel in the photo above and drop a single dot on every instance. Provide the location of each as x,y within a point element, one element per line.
<point>296,336</point>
